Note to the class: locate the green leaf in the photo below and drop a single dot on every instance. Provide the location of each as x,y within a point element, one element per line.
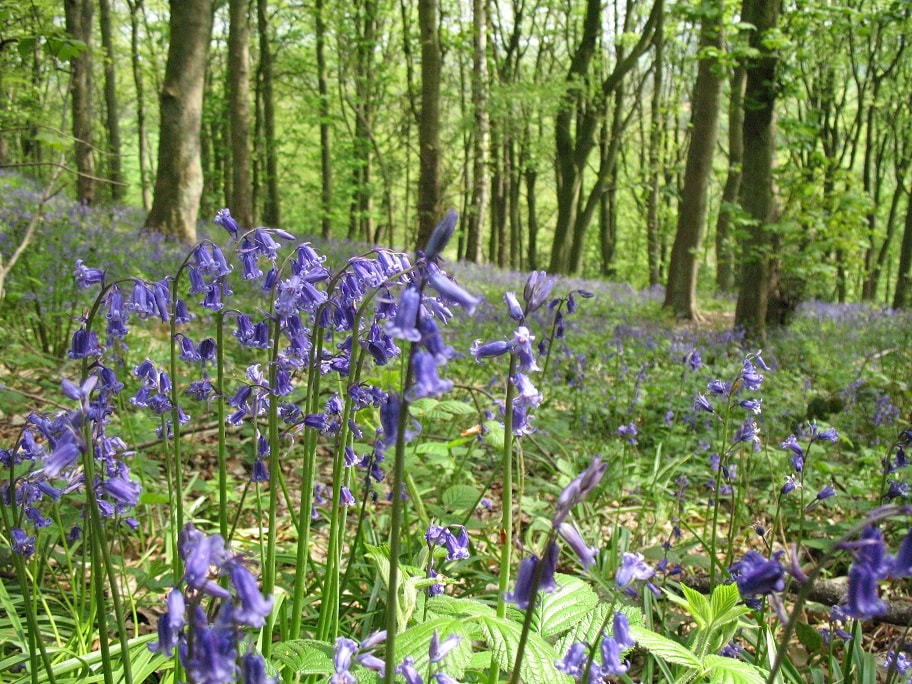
<point>464,608</point>
<point>495,434</point>
<point>563,609</point>
<point>664,648</point>
<point>304,656</point>
<point>456,408</point>
<point>722,670</point>
<point>416,641</point>
<point>460,498</point>
<point>698,606</point>
<point>724,597</point>
<point>502,637</point>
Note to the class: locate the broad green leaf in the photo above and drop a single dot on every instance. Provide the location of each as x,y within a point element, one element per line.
<point>502,637</point>
<point>664,648</point>
<point>722,670</point>
<point>495,434</point>
<point>563,609</point>
<point>416,641</point>
<point>724,597</point>
<point>456,408</point>
<point>698,606</point>
<point>460,498</point>
<point>304,656</point>
<point>444,605</point>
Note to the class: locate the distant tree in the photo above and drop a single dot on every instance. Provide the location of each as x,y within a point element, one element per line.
<point>758,197</point>
<point>429,122</point>
<point>179,182</point>
<point>79,27</point>
<point>115,174</point>
<point>728,209</point>
<point>326,168</point>
<point>271,203</point>
<point>241,185</point>
<point>136,10</point>
<point>681,290</point>
<point>902,297</point>
<point>481,131</point>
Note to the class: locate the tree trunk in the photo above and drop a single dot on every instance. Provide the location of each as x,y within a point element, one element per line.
<point>239,113</point>
<point>79,27</point>
<point>115,174</point>
<point>429,123</point>
<point>179,181</point>
<point>758,188</point>
<point>481,138</point>
<point>902,298</point>
<point>725,250</point>
<point>681,290</point>
<point>326,170</point>
<point>271,210</point>
<point>656,135</point>
<point>143,139</point>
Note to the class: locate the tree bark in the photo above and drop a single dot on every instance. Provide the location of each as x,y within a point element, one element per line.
<point>142,136</point>
<point>902,297</point>
<point>271,207</point>
<point>79,27</point>
<point>115,173</point>
<point>725,252</point>
<point>759,154</point>
<point>429,123</point>
<point>326,170</point>
<point>179,181</point>
<point>681,290</point>
<point>481,139</point>
<point>656,136</point>
<point>241,195</point>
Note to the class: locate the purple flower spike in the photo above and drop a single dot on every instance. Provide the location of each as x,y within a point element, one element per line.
<point>441,236</point>
<point>535,293</point>
<point>611,658</point>
<point>428,382</point>
<point>253,608</point>
<point>170,624</point>
<point>579,489</point>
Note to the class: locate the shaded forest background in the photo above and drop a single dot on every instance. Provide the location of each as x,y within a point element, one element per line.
<point>759,148</point>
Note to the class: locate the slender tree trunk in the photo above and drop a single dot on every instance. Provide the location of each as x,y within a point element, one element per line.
<point>725,249</point>
<point>902,297</point>
<point>115,174</point>
<point>142,137</point>
<point>656,134</point>
<point>681,290</point>
<point>481,139</point>
<point>79,27</point>
<point>759,192</point>
<point>531,177</point>
<point>326,170</point>
<point>179,182</point>
<point>271,211</point>
<point>239,113</point>
<point>429,123</point>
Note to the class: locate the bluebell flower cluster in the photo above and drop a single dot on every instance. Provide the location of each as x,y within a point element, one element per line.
<point>348,651</point>
<point>46,463</point>
<point>216,651</point>
<point>578,661</point>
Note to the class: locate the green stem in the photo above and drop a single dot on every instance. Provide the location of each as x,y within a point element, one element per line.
<point>269,568</point>
<point>220,410</point>
<point>506,501</point>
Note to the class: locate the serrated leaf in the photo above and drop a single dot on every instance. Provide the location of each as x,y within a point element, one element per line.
<point>561,610</point>
<point>456,408</point>
<point>444,605</point>
<point>304,656</point>
<point>494,435</point>
<point>502,637</point>
<point>698,606</point>
<point>416,640</point>
<point>722,670</point>
<point>435,448</point>
<point>409,585</point>
<point>460,498</point>
<point>724,597</point>
<point>664,648</point>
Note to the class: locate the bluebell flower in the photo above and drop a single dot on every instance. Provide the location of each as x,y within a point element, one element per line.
<point>621,631</point>
<point>407,669</point>
<point>522,347</point>
<point>587,555</point>
<point>441,236</point>
<point>862,600</point>
<point>536,290</point>
<point>85,344</point>
<point>719,387</point>
<point>629,432</point>
<point>213,656</point>
<point>747,433</point>
<point>224,218</point>
<point>405,324</point>
<point>579,489</point>
<point>64,454</point>
<point>343,653</point>
<point>427,381</point>
<point>522,594</point>
<point>701,403</point>
<point>21,543</point>
<point>85,276</point>
<point>252,608</point>
<point>514,308</point>
<point>489,350</point>
<point>757,575</point>
<point>574,661</point>
<point>448,289</point>
<point>253,670</point>
<point>440,649</point>
<point>526,393</point>
<point>444,678</point>
<point>612,665</point>
<point>901,565</point>
<point>825,493</point>
<point>170,624</point>
<point>633,567</point>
